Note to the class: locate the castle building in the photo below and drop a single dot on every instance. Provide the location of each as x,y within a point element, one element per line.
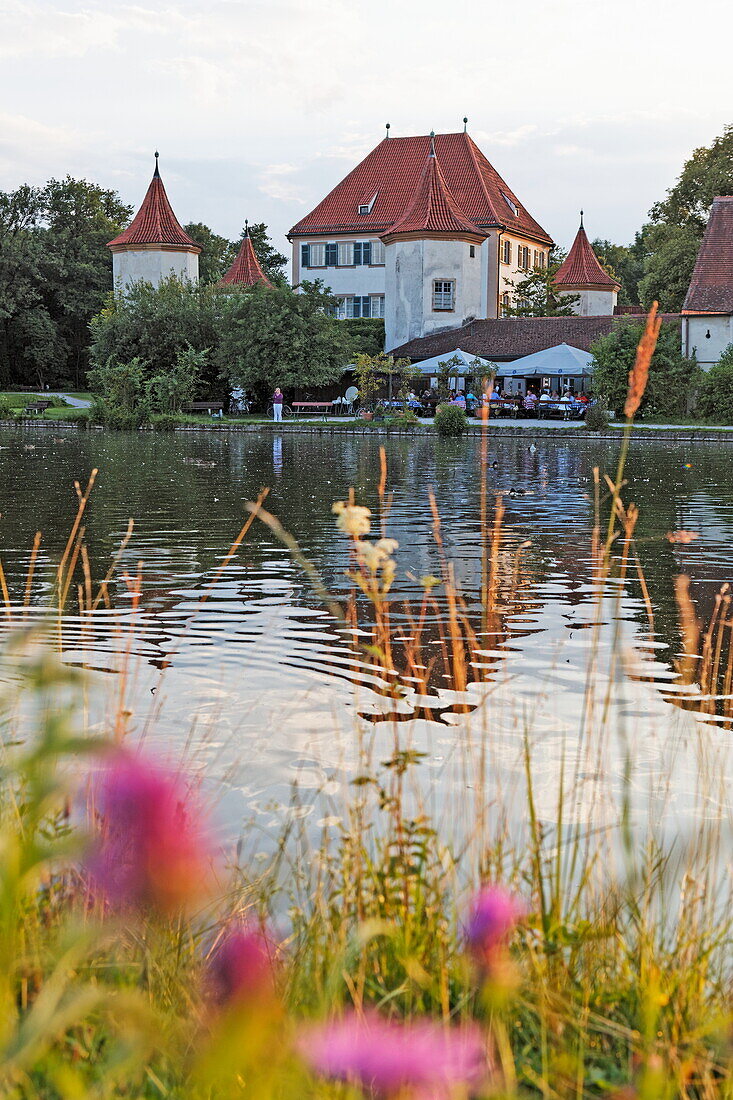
<point>245,269</point>
<point>707,312</point>
<point>412,205</point>
<point>155,245</point>
<point>581,275</point>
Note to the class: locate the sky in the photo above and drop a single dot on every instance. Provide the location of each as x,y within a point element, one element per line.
<point>260,107</point>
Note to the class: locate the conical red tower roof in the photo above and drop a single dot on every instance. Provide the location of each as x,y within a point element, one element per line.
<point>582,269</point>
<point>711,285</point>
<point>432,208</point>
<point>246,270</point>
<point>155,224</point>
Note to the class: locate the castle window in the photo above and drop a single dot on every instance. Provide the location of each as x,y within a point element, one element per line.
<point>367,207</point>
<point>356,306</point>
<point>523,258</point>
<point>444,295</point>
<point>472,250</point>
<point>506,302</point>
<point>511,204</point>
<point>332,255</point>
<point>363,252</point>
<point>542,259</point>
<point>346,254</point>
<point>506,251</point>
<point>377,303</point>
<point>377,252</point>
<point>317,255</point>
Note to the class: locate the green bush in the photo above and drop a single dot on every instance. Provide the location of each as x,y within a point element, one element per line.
<point>80,417</point>
<point>596,418</point>
<point>164,422</point>
<point>673,379</point>
<point>715,394</point>
<point>6,409</point>
<point>117,418</point>
<point>450,420</point>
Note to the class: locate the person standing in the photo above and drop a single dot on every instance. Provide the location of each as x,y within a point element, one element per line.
<point>277,404</point>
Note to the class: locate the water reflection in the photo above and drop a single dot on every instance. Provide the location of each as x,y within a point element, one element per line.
<point>268,678</point>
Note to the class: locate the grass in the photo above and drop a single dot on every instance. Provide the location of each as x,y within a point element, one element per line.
<point>615,983</point>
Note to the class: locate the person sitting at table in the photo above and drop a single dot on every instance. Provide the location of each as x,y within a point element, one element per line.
<point>412,396</point>
<point>530,400</point>
<point>545,396</point>
<point>459,400</point>
<point>495,395</point>
<point>567,396</point>
<point>583,397</point>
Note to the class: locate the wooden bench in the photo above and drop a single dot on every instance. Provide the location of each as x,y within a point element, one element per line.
<point>38,406</point>
<point>209,407</point>
<point>322,407</point>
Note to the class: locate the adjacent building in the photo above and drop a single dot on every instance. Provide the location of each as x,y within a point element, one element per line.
<point>707,312</point>
<point>155,245</point>
<point>401,228</point>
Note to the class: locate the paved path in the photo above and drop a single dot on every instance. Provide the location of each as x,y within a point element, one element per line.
<point>75,402</point>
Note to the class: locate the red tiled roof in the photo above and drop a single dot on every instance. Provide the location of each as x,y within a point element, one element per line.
<point>507,338</point>
<point>155,222</point>
<point>246,270</point>
<point>711,286</point>
<point>433,208</point>
<point>582,267</point>
<point>393,170</point>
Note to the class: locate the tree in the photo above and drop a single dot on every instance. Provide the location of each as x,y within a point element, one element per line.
<point>625,263</point>
<point>169,391</point>
<point>21,277</point>
<point>366,335</point>
<point>79,219</point>
<point>272,336</point>
<point>217,253</point>
<point>156,324</point>
<point>715,395</point>
<point>673,237</point>
<point>673,379</point>
<point>536,294</point>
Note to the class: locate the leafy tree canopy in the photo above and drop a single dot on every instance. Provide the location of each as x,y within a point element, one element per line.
<point>673,379</point>
<point>274,337</point>
<point>536,294</point>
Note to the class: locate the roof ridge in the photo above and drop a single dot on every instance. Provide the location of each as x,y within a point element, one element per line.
<point>473,149</point>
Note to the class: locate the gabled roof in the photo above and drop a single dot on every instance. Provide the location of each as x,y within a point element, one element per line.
<point>246,270</point>
<point>582,268</point>
<point>509,338</point>
<point>155,223</point>
<point>432,208</point>
<point>393,170</point>
<point>711,286</point>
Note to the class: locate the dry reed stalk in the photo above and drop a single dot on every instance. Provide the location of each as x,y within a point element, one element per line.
<point>5,594</point>
<point>690,628</point>
<point>31,571</point>
<point>639,373</point>
<point>64,575</point>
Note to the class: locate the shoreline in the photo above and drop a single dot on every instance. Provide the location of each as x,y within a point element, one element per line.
<point>537,430</point>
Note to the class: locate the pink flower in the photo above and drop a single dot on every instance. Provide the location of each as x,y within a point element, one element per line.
<point>152,852</point>
<point>240,967</point>
<point>492,919</point>
<point>386,1056</point>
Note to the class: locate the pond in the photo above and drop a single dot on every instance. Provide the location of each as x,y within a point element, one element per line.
<point>264,686</point>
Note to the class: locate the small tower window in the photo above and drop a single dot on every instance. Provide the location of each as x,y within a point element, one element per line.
<point>472,250</point>
<point>444,295</point>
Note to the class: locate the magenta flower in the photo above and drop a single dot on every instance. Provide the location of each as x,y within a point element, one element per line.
<point>385,1056</point>
<point>152,851</point>
<point>492,919</point>
<point>240,967</point>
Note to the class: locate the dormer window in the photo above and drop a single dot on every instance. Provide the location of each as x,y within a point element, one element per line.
<point>511,204</point>
<point>366,207</point>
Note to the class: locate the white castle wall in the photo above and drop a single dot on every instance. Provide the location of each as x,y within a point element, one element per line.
<point>411,268</point>
<point>354,279</point>
<point>707,348</point>
<point>152,265</point>
<point>594,303</point>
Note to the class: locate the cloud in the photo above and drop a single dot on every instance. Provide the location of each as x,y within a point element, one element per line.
<point>37,30</point>
<point>274,182</point>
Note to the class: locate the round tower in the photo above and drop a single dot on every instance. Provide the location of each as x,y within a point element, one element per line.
<point>155,245</point>
<point>581,274</point>
<point>432,262</point>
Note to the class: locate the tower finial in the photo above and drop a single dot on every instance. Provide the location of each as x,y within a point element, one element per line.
<point>465,123</point>
<point>246,227</point>
<point>156,172</point>
<point>432,143</point>
<point>581,219</point>
<point>388,131</point>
